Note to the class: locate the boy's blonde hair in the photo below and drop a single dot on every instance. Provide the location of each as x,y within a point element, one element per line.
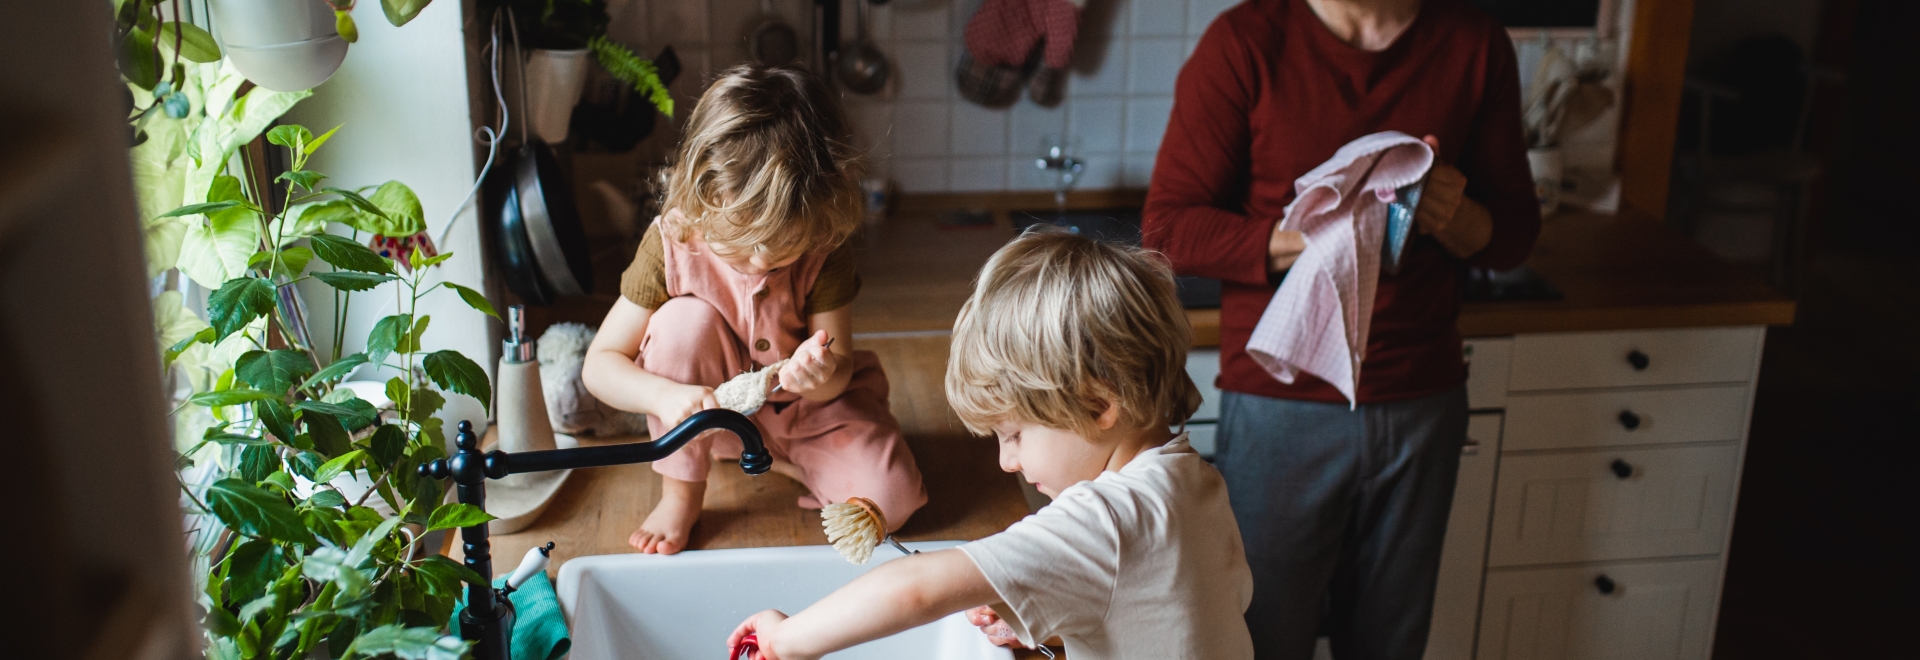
<point>1059,326</point>
<point>767,163</point>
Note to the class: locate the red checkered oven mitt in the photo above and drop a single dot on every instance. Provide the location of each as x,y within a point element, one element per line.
<point>1000,39</point>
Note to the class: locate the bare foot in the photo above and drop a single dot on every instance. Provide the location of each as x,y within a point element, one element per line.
<point>665,531</point>
<point>799,475</point>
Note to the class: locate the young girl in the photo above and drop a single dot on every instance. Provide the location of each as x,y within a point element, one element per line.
<point>748,266</point>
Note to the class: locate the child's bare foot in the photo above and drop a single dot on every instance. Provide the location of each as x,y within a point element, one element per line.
<point>665,531</point>
<point>799,475</point>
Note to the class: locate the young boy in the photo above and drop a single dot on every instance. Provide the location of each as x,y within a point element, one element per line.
<point>1073,353</point>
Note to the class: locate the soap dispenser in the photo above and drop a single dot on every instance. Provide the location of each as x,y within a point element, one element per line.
<point>522,406</point>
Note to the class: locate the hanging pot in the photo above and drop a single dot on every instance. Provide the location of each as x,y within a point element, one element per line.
<point>282,45</point>
<point>554,81</point>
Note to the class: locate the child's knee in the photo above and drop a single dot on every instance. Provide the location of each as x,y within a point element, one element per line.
<point>688,341</point>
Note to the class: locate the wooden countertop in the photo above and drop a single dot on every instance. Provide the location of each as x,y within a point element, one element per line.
<point>1617,273</point>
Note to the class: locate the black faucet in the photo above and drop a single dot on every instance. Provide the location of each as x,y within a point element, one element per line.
<point>482,621</point>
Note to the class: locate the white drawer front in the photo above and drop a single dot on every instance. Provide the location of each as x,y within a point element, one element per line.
<point>1488,361</point>
<point>1633,417</point>
<point>1555,508</point>
<point>1608,359</point>
<point>1203,366</point>
<point>1655,611</point>
<point>1463,555</point>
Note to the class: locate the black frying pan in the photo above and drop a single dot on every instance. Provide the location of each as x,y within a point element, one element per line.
<point>538,240</point>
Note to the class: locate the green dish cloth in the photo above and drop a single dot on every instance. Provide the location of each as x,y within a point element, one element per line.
<point>539,629</point>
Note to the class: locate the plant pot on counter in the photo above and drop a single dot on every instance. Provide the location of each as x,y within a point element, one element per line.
<point>282,45</point>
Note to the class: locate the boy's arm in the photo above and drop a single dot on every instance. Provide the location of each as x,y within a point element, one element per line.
<point>898,595</point>
<point>611,374</point>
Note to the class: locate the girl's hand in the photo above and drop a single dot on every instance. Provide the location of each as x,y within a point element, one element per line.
<point>812,364</point>
<point>682,401</point>
<point>765,626</point>
<point>998,632</point>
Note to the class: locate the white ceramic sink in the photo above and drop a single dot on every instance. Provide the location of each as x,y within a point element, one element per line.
<point>682,607</point>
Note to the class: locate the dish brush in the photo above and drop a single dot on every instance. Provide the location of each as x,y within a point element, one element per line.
<point>855,527</point>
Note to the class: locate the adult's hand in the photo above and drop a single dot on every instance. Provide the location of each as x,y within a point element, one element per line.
<point>1461,225</point>
<point>1283,248</point>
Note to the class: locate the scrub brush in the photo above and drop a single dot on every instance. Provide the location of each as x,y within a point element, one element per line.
<point>855,527</point>
<point>746,392</point>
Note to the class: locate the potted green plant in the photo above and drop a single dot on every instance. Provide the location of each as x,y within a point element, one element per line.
<point>558,37</point>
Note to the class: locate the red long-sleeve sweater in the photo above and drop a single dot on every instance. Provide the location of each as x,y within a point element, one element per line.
<point>1269,94</point>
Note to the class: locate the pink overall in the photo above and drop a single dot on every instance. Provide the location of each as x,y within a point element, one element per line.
<point>720,323</point>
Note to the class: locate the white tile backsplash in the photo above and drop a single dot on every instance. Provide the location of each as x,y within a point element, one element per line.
<point>1200,14</point>
<point>921,174</point>
<point>920,23</point>
<point>1146,122</point>
<point>1152,64</point>
<point>1109,79</point>
<point>920,129</point>
<point>978,175</point>
<point>1031,121</point>
<point>1097,122</point>
<point>979,131</point>
<point>1137,170</point>
<point>923,69</point>
<point>1158,18</point>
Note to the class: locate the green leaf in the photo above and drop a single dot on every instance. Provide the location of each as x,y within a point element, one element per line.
<point>237,303</point>
<point>473,298</point>
<point>137,63</point>
<point>387,335</point>
<point>387,444</point>
<point>421,643</point>
<point>339,210</point>
<point>218,398</point>
<point>630,69</point>
<point>355,413</point>
<point>255,511</point>
<point>454,372</point>
<point>205,336</point>
<point>401,209</point>
<point>423,404</point>
<point>305,463</point>
<point>257,462</point>
<point>258,605</point>
<point>455,514</point>
<point>305,178</point>
<point>281,479</point>
<point>446,575</point>
<point>333,468</point>
<point>430,261</point>
<point>272,371</point>
<point>277,417</point>
<point>346,280</point>
<point>327,498</point>
<point>291,136</point>
<point>314,144</point>
<point>329,437</point>
<point>205,208</point>
<point>399,12</point>
<point>339,369</point>
<point>236,439</point>
<point>329,564</point>
<point>357,201</point>
<point>251,566</point>
<point>195,43</point>
<point>345,254</point>
<point>411,341</point>
<point>292,262</point>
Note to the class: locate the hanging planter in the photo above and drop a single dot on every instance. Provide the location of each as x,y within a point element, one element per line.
<point>555,79</point>
<point>282,45</point>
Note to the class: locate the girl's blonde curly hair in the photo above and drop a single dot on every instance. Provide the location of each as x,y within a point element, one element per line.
<point>767,164</point>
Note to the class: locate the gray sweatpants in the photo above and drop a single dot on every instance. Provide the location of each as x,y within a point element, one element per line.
<point>1342,513</point>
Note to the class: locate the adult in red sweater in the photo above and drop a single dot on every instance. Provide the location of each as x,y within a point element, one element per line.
<point>1342,506</point>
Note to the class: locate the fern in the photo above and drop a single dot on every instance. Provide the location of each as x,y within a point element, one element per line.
<point>630,69</point>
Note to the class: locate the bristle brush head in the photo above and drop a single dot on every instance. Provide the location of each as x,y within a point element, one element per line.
<point>854,527</point>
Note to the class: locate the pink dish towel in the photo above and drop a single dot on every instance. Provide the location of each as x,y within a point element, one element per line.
<point>1317,321</point>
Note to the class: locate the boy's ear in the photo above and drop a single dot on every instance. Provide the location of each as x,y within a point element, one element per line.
<point>1109,417</point>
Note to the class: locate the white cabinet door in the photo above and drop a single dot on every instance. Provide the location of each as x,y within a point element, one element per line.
<point>1488,361</point>
<point>1649,611</point>
<point>1463,556</point>
<point>1573,420</point>
<point>1573,360</point>
<point>1612,504</point>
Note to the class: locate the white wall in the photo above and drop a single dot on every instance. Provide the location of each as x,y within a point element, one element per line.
<point>402,100</point>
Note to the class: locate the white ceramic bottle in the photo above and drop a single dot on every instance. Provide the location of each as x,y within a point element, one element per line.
<point>521,405</point>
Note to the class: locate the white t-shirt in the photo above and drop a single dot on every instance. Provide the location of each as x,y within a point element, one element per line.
<point>1141,563</point>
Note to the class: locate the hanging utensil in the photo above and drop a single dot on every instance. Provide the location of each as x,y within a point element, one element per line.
<point>771,41</point>
<point>862,68</point>
<point>536,228</point>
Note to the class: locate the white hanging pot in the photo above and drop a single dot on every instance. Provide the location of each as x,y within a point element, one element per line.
<point>555,80</point>
<point>282,45</point>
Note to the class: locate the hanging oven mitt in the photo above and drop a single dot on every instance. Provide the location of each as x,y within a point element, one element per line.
<point>1001,37</point>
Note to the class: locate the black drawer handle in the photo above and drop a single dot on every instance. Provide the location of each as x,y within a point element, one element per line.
<point>1605,584</point>
<point>1639,360</point>
<point>1621,468</point>
<point>1630,419</point>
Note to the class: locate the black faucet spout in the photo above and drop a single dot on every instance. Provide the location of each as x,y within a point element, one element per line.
<point>754,458</point>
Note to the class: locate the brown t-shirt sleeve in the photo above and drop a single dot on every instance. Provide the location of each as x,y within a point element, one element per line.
<point>645,281</point>
<point>838,282</point>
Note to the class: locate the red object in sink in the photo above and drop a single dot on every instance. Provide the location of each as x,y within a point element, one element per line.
<point>749,648</point>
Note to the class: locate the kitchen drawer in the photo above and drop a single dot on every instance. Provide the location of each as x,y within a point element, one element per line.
<point>1203,366</point>
<point>1626,359</point>
<point>1646,611</point>
<point>1463,553</point>
<point>1626,417</point>
<point>1488,361</point>
<point>1577,506</point>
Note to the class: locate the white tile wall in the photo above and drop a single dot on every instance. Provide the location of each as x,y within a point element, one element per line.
<point>921,134</point>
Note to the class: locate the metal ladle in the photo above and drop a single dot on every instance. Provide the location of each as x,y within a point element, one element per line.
<point>862,67</point>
